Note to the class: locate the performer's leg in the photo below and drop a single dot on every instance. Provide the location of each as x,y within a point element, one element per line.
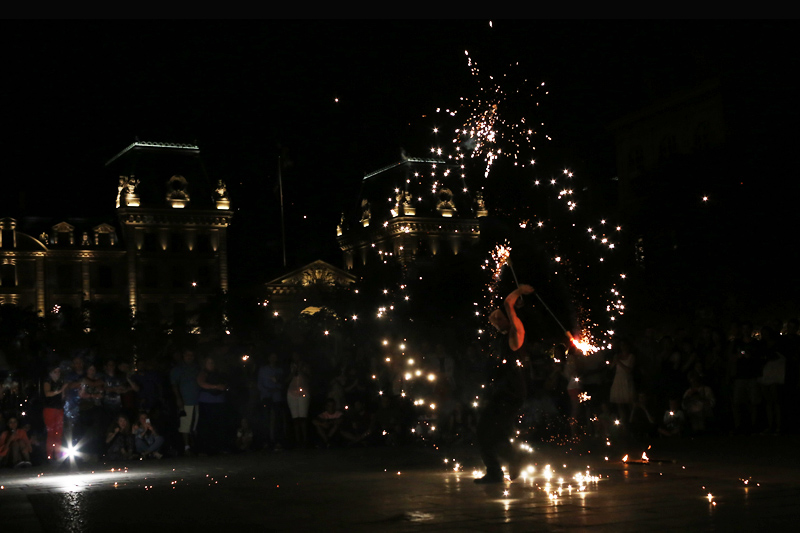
<point>490,438</point>
<point>508,418</point>
<point>495,429</point>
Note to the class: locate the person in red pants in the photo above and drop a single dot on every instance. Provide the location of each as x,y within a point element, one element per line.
<point>54,411</point>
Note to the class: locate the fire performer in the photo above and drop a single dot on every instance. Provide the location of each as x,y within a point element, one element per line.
<point>507,392</point>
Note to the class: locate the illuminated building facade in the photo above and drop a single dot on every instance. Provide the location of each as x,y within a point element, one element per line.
<point>44,265</point>
<point>166,257</point>
<point>307,289</point>
<point>410,210</point>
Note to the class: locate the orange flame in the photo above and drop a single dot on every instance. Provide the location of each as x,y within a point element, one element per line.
<point>583,345</point>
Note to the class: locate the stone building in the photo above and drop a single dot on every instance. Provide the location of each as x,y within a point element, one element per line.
<point>166,255</point>
<point>411,209</point>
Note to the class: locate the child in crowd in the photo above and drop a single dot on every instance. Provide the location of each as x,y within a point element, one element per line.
<point>15,446</point>
<point>357,425</point>
<point>328,422</point>
<point>244,436</point>
<point>673,421</point>
<point>698,402</point>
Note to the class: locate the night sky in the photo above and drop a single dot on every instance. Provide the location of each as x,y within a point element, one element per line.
<point>76,93</point>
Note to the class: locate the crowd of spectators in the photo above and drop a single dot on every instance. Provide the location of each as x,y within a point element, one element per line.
<point>217,400</point>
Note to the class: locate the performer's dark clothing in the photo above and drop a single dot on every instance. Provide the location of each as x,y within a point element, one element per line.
<point>506,394</point>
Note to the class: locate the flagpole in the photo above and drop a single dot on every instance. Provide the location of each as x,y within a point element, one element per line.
<point>283,230</point>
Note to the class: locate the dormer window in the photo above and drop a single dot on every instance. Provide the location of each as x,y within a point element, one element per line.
<point>63,233</point>
<point>104,235</point>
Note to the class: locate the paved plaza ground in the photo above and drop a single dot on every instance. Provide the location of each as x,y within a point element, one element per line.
<point>711,484</point>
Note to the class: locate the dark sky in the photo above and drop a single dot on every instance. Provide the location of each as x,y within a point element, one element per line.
<point>76,93</point>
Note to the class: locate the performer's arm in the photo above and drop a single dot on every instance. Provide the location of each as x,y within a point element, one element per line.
<point>516,331</point>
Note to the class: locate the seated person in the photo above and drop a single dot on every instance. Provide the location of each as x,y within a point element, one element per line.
<point>328,422</point>
<point>148,441</point>
<point>119,440</point>
<point>357,424</point>
<point>674,420</point>
<point>15,446</point>
<point>698,403</point>
<point>244,436</point>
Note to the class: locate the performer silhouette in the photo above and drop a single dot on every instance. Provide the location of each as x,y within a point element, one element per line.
<point>507,392</point>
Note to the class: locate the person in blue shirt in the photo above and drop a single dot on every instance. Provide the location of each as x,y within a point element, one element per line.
<point>271,388</point>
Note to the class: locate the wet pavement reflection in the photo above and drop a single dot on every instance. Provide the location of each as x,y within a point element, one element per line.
<point>397,489</point>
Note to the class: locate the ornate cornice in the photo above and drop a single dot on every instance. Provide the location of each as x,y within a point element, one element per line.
<point>136,216</point>
<point>412,226</point>
<point>16,253</point>
<point>65,254</point>
<point>82,254</point>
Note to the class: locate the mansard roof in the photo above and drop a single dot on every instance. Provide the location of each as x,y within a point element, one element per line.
<point>424,184</point>
<point>160,167</point>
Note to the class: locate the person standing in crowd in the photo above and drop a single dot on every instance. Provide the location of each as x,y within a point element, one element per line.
<point>128,399</point>
<point>149,381</point>
<point>506,394</point>
<point>53,412</point>
<point>91,412</point>
<point>299,398</point>
<point>623,391</point>
<point>747,368</point>
<point>211,421</point>
<point>670,384</point>
<point>336,391</point>
<point>271,380</point>
<point>115,386</point>
<point>183,379</point>
<point>72,400</point>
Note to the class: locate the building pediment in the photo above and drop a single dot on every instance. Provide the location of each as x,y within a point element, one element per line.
<point>316,274</point>
<point>63,227</point>
<point>104,228</point>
